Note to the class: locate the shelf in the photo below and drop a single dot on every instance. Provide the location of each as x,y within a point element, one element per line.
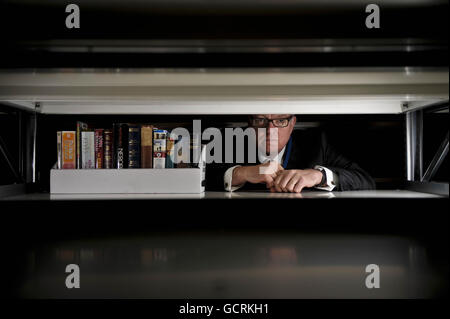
<point>235,91</point>
<point>226,195</point>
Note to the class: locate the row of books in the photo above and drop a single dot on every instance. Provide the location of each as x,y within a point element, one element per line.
<point>126,145</point>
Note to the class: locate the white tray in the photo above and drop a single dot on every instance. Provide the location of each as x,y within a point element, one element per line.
<point>129,180</point>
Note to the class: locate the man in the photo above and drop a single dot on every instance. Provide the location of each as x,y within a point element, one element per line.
<point>304,159</point>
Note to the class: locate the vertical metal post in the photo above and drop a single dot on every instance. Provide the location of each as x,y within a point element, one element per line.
<point>414,145</point>
<point>21,143</point>
<point>30,149</point>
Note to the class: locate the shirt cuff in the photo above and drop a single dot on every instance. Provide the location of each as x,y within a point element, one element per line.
<point>228,179</point>
<point>331,177</point>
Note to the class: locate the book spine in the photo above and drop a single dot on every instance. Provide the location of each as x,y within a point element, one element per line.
<point>159,148</point>
<point>108,143</point>
<point>195,151</point>
<point>118,149</point>
<point>99,148</point>
<point>147,146</point>
<point>68,150</point>
<point>121,145</point>
<point>88,149</point>
<point>183,156</point>
<point>170,155</point>
<point>59,149</point>
<point>134,146</point>
<point>81,126</point>
<point>124,137</point>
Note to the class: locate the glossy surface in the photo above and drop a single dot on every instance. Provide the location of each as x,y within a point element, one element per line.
<point>193,265</point>
<point>230,195</point>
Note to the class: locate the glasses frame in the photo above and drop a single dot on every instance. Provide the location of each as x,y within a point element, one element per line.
<point>267,121</point>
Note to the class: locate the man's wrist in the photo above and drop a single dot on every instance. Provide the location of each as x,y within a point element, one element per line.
<point>323,177</point>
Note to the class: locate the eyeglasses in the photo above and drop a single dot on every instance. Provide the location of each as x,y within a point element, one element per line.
<point>264,122</point>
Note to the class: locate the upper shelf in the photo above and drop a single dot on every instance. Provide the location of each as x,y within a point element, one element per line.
<point>213,91</point>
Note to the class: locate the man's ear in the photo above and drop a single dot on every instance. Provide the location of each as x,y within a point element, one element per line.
<point>294,120</point>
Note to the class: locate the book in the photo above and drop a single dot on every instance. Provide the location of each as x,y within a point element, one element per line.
<point>134,146</point>
<point>120,145</point>
<point>108,148</point>
<point>59,149</point>
<point>68,160</point>
<point>159,148</point>
<point>195,150</point>
<point>88,149</point>
<point>81,126</point>
<point>170,151</point>
<point>147,146</point>
<point>99,148</point>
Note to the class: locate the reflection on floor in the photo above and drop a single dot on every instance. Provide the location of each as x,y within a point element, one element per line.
<point>232,266</point>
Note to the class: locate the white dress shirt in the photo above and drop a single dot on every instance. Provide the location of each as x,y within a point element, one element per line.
<point>331,177</point>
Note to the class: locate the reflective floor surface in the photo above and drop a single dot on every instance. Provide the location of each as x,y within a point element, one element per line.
<point>194,265</point>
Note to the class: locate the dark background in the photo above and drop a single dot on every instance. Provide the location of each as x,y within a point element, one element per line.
<point>376,142</point>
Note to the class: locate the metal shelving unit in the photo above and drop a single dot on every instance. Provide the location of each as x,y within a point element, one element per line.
<point>234,91</point>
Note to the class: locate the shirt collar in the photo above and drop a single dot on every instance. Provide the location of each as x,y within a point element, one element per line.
<point>263,158</point>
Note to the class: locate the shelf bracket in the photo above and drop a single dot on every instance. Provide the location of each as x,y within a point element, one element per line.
<point>437,160</point>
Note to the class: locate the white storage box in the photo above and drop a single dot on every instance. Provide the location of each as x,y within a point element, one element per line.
<point>129,180</point>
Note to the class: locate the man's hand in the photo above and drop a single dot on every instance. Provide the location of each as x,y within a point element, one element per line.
<point>294,180</point>
<point>263,173</point>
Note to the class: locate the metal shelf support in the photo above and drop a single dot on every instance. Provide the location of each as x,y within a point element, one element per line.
<point>414,145</point>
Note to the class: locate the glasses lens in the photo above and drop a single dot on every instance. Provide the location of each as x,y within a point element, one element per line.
<point>259,122</point>
<point>281,122</point>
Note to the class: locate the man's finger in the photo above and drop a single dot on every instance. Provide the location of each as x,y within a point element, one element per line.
<point>290,186</point>
<point>279,177</point>
<point>285,180</point>
<point>267,179</point>
<point>277,187</point>
<point>269,182</point>
<point>299,186</point>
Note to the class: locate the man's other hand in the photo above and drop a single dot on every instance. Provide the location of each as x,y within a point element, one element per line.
<point>263,173</point>
<point>294,180</point>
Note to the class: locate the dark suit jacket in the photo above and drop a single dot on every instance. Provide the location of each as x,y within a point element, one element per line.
<point>309,148</point>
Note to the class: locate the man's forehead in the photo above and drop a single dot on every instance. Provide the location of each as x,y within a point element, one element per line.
<point>272,116</point>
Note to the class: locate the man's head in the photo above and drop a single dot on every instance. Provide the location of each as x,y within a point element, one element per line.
<point>281,124</point>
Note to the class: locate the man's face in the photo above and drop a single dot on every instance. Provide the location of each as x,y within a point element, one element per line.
<point>272,130</point>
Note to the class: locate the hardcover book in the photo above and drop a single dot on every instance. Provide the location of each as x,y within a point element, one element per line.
<point>170,155</point>
<point>134,146</point>
<point>68,144</point>
<point>147,146</point>
<point>108,148</point>
<point>195,150</point>
<point>59,149</point>
<point>159,148</point>
<point>121,145</point>
<point>88,149</point>
<point>99,149</point>
<point>81,126</point>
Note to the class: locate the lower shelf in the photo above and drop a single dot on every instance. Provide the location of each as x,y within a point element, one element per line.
<point>397,193</point>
